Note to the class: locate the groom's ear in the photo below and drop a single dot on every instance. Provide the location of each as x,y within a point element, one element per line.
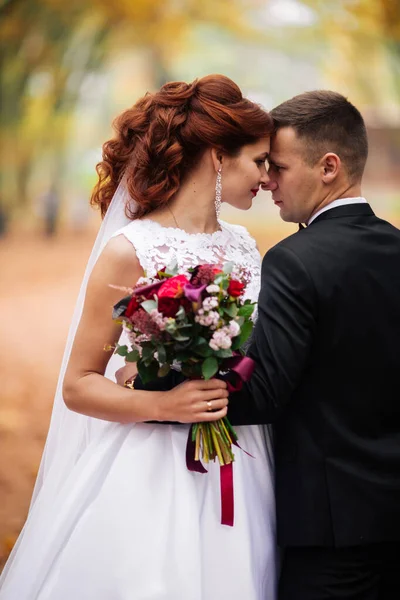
<point>330,167</point>
<point>216,156</point>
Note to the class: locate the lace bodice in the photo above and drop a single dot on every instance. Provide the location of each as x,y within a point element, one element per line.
<point>157,246</point>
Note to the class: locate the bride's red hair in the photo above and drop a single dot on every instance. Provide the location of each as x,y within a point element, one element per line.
<point>160,138</point>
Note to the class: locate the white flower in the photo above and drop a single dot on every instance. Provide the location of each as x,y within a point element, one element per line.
<point>159,319</point>
<point>234,328</point>
<point>211,319</point>
<point>220,340</point>
<point>213,289</point>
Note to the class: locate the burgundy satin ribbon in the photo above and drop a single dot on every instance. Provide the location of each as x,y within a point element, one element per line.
<point>242,367</point>
<point>227,495</point>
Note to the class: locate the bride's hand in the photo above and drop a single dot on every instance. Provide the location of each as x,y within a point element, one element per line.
<point>194,401</point>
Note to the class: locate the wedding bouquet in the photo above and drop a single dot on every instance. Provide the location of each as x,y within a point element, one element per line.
<point>195,323</point>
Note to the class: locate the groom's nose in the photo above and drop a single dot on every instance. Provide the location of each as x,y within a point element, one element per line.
<point>268,184</point>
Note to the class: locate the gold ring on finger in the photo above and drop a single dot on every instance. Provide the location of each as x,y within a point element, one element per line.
<point>209,404</point>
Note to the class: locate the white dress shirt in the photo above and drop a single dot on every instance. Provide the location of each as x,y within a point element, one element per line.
<point>334,204</point>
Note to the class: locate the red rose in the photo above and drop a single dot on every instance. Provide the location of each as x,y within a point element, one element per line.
<point>235,288</point>
<point>132,307</point>
<point>168,306</point>
<point>173,287</point>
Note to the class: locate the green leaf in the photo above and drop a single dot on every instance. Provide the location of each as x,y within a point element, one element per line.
<point>181,313</point>
<point>228,268</point>
<point>246,310</point>
<point>149,305</point>
<point>232,310</point>
<point>147,352</point>
<point>236,343</point>
<point>122,350</point>
<point>224,353</point>
<point>180,338</point>
<point>132,356</point>
<point>209,367</point>
<point>171,327</point>
<point>203,350</point>
<point>147,372</point>
<point>162,354</point>
<point>172,269</point>
<point>246,332</point>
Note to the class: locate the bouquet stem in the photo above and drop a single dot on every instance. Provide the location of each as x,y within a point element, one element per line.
<point>214,440</point>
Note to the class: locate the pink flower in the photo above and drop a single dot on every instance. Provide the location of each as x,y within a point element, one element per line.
<point>173,287</point>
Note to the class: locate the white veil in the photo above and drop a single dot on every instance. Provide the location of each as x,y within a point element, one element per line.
<point>66,436</point>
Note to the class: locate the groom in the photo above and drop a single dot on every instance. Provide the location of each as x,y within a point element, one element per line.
<point>327,348</point>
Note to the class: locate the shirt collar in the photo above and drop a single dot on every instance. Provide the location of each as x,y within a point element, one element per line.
<point>335,203</point>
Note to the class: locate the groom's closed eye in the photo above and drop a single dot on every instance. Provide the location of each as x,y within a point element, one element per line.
<point>274,167</point>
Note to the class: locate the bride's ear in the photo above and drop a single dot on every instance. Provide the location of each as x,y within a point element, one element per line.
<point>216,157</point>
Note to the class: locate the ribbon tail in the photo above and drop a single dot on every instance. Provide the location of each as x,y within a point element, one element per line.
<point>191,463</point>
<point>227,496</point>
<point>235,443</point>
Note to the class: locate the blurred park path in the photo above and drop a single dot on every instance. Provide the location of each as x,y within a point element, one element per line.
<point>40,280</point>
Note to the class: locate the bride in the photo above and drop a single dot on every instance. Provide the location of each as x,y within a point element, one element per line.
<point>115,513</point>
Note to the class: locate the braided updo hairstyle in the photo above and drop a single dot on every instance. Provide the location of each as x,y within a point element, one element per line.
<point>162,136</point>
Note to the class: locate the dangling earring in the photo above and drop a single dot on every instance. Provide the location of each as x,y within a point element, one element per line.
<point>218,192</point>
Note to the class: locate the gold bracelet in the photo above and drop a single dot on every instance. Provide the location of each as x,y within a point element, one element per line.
<point>130,382</point>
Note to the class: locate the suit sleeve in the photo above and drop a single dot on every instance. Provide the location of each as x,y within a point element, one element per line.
<point>282,339</point>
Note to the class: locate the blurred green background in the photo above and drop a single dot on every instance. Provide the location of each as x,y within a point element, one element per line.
<point>68,67</point>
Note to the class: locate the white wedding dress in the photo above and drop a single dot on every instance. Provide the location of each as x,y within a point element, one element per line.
<point>130,522</point>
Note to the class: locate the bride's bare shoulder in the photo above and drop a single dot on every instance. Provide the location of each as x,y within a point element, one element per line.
<point>118,262</point>
<point>119,248</point>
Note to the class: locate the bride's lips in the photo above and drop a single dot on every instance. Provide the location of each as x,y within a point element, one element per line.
<point>254,191</point>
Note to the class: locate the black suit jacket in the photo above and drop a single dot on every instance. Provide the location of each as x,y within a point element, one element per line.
<point>327,348</point>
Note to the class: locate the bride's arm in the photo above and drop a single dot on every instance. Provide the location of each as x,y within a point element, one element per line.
<point>85,388</point>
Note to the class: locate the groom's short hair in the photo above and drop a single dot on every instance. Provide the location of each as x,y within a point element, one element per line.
<point>327,122</point>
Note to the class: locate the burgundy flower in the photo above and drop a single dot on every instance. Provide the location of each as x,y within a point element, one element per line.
<point>193,292</point>
<point>143,322</point>
<point>204,274</point>
<point>168,306</point>
<point>148,291</point>
<point>132,307</point>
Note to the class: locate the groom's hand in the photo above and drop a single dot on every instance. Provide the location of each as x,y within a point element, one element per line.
<point>125,373</point>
